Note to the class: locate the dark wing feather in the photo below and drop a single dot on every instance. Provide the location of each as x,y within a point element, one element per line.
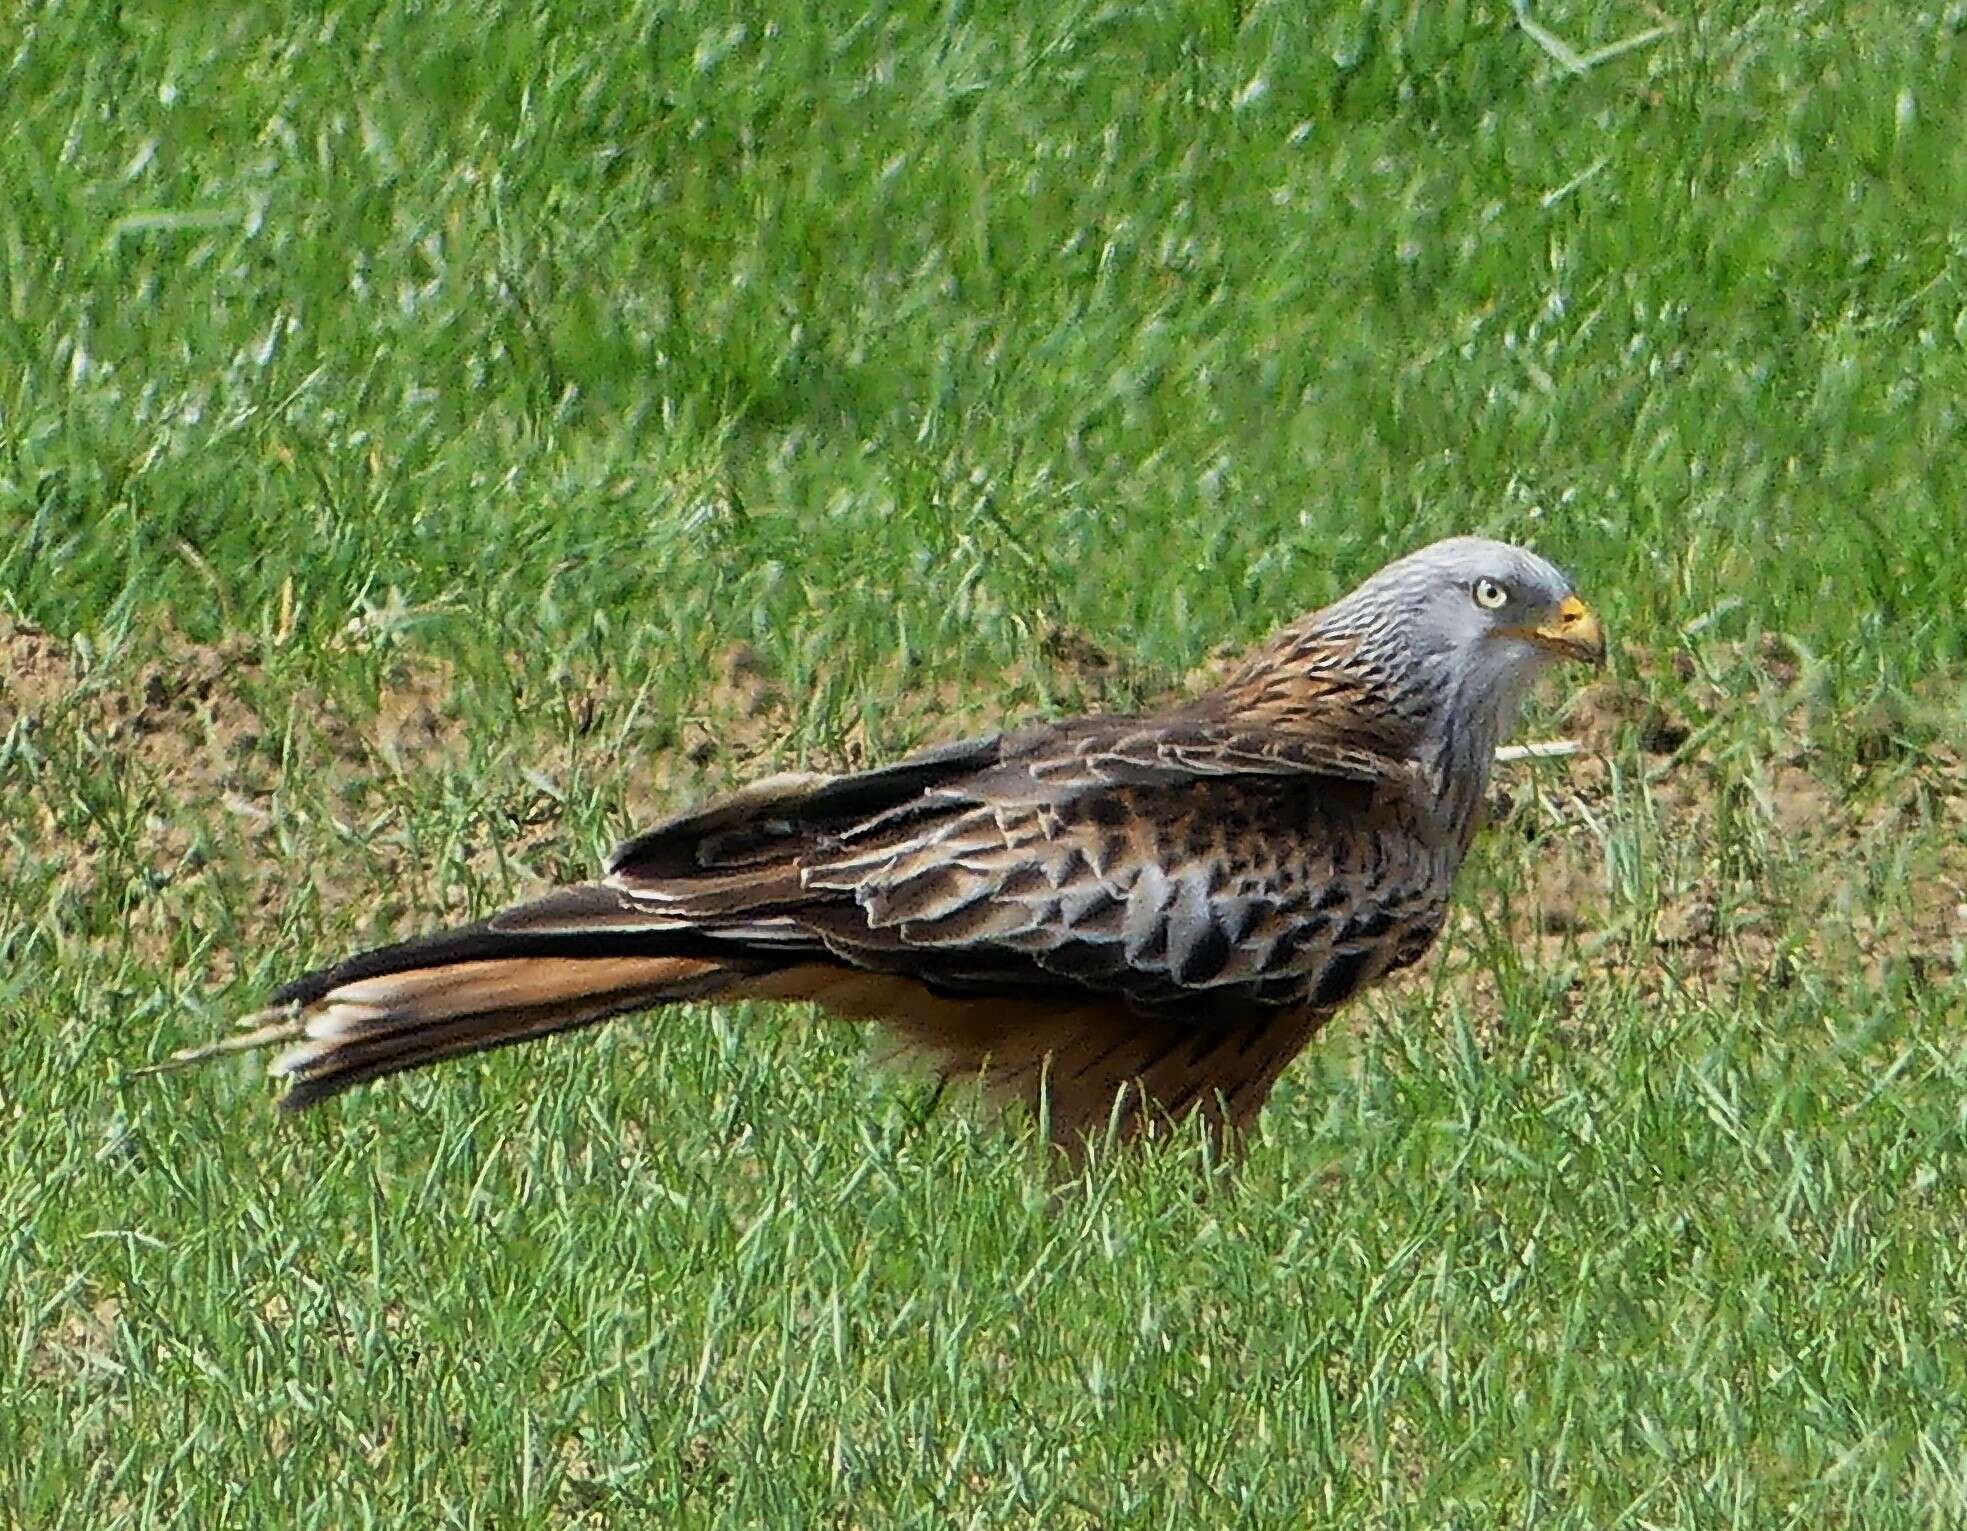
<point>1161,862</point>
<point>746,825</point>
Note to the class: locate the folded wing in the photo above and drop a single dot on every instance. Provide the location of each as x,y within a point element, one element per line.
<point>1170,903</point>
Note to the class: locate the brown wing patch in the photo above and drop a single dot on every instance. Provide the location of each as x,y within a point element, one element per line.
<point>1240,892</point>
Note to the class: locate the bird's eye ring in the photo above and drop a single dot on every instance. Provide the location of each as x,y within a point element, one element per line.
<point>1489,595</point>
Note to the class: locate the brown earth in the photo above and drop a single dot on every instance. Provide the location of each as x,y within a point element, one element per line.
<point>83,1342</point>
<point>1770,861</point>
<point>198,736</point>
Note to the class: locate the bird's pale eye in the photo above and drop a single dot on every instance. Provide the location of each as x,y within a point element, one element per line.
<point>1489,595</point>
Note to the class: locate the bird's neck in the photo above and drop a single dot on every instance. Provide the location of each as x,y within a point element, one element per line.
<point>1338,684</point>
<point>1458,755</point>
<point>1457,767</point>
<point>1360,684</point>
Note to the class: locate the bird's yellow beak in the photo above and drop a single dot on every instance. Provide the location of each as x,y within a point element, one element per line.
<point>1573,633</point>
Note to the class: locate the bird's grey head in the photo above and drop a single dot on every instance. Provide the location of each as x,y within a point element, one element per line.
<point>1457,631</point>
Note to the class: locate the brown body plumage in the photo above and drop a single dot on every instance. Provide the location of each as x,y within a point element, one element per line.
<point>1121,918</point>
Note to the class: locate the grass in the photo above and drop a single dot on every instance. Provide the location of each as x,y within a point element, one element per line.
<point>402,409</point>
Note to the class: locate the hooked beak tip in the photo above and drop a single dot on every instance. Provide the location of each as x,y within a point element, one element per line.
<point>1574,633</point>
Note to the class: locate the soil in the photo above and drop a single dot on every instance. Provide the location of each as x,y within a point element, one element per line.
<point>1769,862</point>
<point>83,1342</point>
<point>200,739</point>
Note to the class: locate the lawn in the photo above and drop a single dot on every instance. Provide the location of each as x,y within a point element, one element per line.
<point>434,438</point>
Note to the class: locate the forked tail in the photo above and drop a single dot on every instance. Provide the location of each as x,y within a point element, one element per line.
<point>568,961</point>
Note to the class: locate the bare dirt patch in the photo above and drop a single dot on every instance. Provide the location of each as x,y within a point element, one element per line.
<point>199,719</point>
<point>1767,857</point>
<point>138,766</point>
<point>34,670</point>
<point>82,1344</point>
<point>743,715</point>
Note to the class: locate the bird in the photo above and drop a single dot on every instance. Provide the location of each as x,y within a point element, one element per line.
<point>1122,920</point>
